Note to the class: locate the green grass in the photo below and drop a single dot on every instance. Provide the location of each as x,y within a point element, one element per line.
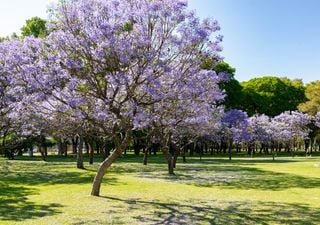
<point>211,191</point>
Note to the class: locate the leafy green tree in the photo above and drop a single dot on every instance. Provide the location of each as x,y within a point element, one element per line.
<point>312,105</point>
<point>272,95</point>
<point>35,27</point>
<point>232,87</point>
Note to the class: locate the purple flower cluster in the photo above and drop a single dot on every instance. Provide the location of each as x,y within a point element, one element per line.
<point>115,66</point>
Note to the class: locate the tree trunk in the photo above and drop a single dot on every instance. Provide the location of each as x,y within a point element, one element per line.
<point>65,149</point>
<point>31,151</point>
<point>42,153</point>
<point>60,147</point>
<point>170,165</point>
<point>106,164</point>
<point>175,156</point>
<point>145,157</point>
<point>91,153</point>
<point>230,149</point>
<point>184,154</point>
<point>2,147</point>
<point>74,144</point>
<point>80,153</point>
<point>170,160</point>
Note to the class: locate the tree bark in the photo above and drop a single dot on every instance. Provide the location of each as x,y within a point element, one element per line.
<point>65,149</point>
<point>91,153</point>
<point>230,149</point>
<point>80,153</point>
<point>106,164</point>
<point>184,154</point>
<point>170,164</point>
<point>145,157</point>
<point>74,144</point>
<point>60,148</point>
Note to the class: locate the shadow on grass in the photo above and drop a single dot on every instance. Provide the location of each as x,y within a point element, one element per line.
<point>34,173</point>
<point>231,213</point>
<point>235,178</point>
<point>14,204</point>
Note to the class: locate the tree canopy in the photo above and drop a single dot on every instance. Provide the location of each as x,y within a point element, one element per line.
<point>272,95</point>
<point>36,27</point>
<point>312,105</point>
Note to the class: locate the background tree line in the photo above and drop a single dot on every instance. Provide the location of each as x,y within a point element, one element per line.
<point>134,101</point>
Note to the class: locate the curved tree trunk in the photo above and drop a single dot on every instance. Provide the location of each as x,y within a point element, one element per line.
<point>95,191</point>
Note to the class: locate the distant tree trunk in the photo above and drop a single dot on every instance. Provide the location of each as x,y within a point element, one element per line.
<point>20,153</point>
<point>42,153</point>
<point>145,157</point>
<point>45,150</point>
<point>91,148</point>
<point>31,151</point>
<point>272,151</point>
<point>87,147</point>
<point>230,149</point>
<point>146,152</point>
<point>170,164</point>
<point>75,141</point>
<point>60,147</point>
<point>105,152</point>
<point>107,163</point>
<point>184,154</point>
<point>3,144</point>
<point>65,149</point>
<point>80,153</point>
<point>192,147</point>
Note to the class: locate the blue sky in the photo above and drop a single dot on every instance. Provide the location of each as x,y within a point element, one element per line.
<point>262,37</point>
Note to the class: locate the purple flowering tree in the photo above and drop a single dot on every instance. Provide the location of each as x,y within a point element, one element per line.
<point>235,123</point>
<point>290,127</point>
<point>258,130</point>
<point>118,66</point>
<point>5,109</point>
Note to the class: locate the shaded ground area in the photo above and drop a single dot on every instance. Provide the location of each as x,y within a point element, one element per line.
<point>15,206</point>
<point>236,178</point>
<point>232,213</point>
<point>211,191</point>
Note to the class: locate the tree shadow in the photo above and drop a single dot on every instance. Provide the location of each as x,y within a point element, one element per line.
<point>16,206</point>
<point>215,212</point>
<point>29,174</point>
<point>235,178</point>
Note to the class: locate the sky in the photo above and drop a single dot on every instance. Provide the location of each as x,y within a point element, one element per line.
<point>261,37</point>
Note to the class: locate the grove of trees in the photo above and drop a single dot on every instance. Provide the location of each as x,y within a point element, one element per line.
<point>114,75</point>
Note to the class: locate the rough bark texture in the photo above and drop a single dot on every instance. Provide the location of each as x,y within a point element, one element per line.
<point>106,164</point>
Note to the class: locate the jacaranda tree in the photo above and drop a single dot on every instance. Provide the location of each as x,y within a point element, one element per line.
<point>118,66</point>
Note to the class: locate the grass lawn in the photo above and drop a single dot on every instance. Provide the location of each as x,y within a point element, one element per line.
<point>211,191</point>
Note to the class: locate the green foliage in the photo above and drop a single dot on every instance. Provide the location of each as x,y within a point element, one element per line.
<point>224,67</point>
<point>312,105</point>
<point>272,95</point>
<point>35,27</point>
<point>128,26</point>
<point>232,87</point>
